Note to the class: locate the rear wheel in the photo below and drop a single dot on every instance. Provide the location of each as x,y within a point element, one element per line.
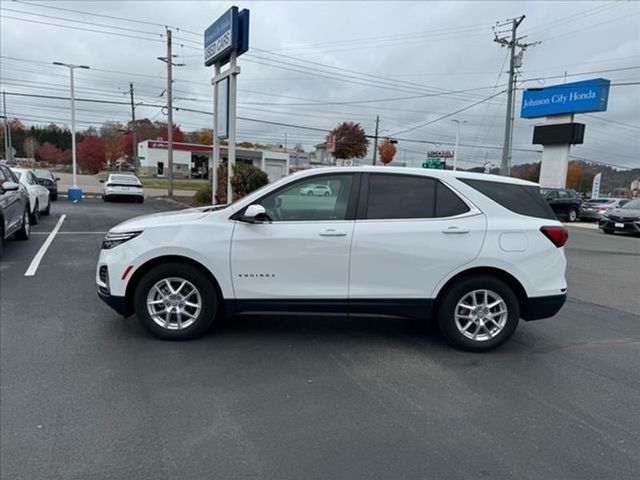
<point>572,215</point>
<point>25,230</point>
<point>478,313</point>
<point>176,301</point>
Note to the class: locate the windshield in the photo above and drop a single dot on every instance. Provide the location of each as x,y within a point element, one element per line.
<point>43,173</point>
<point>600,201</point>
<point>124,178</point>
<point>632,205</point>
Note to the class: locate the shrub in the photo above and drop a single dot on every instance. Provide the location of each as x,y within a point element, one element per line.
<point>246,178</point>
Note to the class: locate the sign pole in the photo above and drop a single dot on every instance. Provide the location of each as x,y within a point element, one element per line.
<point>215,161</point>
<point>231,148</point>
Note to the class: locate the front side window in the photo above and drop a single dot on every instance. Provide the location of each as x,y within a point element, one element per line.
<point>316,199</point>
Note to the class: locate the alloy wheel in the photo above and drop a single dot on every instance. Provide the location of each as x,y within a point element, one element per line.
<point>481,315</point>
<point>174,303</point>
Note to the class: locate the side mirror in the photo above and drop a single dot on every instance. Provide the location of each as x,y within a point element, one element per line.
<point>101,181</point>
<point>255,214</point>
<point>57,179</point>
<point>9,186</point>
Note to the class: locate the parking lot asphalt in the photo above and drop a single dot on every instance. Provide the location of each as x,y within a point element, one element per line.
<point>89,395</point>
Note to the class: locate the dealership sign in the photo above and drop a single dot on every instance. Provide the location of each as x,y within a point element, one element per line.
<point>576,97</point>
<point>228,33</point>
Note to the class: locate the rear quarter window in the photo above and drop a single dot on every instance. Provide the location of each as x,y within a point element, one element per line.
<point>522,199</point>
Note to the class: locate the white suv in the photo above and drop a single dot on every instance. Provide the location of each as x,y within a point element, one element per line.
<point>475,251</point>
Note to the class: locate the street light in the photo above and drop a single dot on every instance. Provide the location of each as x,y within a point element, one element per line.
<point>75,193</point>
<point>455,152</point>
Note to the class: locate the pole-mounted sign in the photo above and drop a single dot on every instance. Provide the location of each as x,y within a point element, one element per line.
<point>224,40</point>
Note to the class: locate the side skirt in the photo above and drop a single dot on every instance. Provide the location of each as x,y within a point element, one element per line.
<point>396,307</point>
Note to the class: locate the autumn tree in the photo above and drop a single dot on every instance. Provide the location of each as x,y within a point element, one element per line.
<point>387,151</point>
<point>48,153</point>
<point>91,153</point>
<point>350,140</point>
<point>162,130</point>
<point>574,172</point>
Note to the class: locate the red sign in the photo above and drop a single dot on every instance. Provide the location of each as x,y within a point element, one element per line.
<point>188,147</point>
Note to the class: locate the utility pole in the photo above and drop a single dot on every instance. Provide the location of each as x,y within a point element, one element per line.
<point>7,130</point>
<point>134,136</point>
<point>515,61</point>
<point>375,141</point>
<point>455,151</point>
<point>169,91</point>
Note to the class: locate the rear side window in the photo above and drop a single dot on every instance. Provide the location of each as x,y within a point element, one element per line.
<point>522,199</point>
<point>400,196</point>
<point>404,196</point>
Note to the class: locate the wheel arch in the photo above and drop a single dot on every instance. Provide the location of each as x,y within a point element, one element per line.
<point>154,262</point>
<point>506,277</point>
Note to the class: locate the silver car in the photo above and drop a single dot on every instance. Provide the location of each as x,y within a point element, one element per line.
<point>594,209</point>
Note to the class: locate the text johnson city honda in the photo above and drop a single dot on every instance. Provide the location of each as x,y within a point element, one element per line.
<point>476,252</point>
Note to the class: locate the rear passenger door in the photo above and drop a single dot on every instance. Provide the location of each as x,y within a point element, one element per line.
<point>410,232</point>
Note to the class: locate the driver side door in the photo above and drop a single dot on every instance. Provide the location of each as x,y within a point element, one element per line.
<point>301,252</point>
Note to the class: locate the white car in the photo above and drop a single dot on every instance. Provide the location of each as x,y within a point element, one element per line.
<point>120,185</point>
<point>39,200</point>
<point>316,190</point>
<point>477,252</point>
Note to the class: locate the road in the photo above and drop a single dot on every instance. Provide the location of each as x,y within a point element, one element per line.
<point>89,395</point>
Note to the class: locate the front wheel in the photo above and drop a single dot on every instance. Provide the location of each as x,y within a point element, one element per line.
<point>478,313</point>
<point>35,215</point>
<point>25,230</point>
<point>608,231</point>
<point>176,301</point>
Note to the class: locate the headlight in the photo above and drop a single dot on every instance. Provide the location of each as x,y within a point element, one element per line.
<point>114,239</point>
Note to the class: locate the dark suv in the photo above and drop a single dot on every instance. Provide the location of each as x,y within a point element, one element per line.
<point>14,208</point>
<point>564,202</point>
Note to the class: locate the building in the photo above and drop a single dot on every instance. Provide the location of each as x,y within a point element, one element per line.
<point>195,159</point>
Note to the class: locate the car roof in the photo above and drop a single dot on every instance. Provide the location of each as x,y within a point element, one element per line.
<point>443,174</point>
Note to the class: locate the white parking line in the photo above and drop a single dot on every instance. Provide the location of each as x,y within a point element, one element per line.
<point>33,267</point>
<point>70,233</point>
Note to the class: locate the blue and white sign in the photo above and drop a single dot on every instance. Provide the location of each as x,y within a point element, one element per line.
<point>228,33</point>
<point>222,110</point>
<point>221,38</point>
<point>576,97</point>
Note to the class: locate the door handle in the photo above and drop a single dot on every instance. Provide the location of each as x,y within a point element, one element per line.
<point>455,230</point>
<point>330,232</point>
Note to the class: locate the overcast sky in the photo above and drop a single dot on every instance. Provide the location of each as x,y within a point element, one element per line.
<point>307,59</point>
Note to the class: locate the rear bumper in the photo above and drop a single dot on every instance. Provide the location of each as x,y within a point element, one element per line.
<point>543,307</point>
<point>590,215</point>
<point>119,304</point>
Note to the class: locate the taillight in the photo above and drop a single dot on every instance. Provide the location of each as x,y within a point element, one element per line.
<point>557,235</point>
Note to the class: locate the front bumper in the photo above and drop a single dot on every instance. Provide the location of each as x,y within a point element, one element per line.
<point>119,304</point>
<point>619,225</point>
<point>543,307</point>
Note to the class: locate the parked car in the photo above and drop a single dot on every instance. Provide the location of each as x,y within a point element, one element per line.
<point>14,208</point>
<point>317,190</point>
<point>594,208</point>
<point>623,219</point>
<point>122,186</point>
<point>474,251</point>
<point>48,180</point>
<point>564,202</point>
<point>39,203</point>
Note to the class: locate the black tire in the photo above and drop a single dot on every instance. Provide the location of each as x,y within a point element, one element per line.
<point>1,238</point>
<point>608,231</point>
<point>48,210</point>
<point>140,200</point>
<point>105,198</point>
<point>572,215</point>
<point>54,197</point>
<point>456,293</point>
<point>208,296</point>
<point>35,215</point>
<point>310,193</point>
<point>326,194</point>
<point>25,230</point>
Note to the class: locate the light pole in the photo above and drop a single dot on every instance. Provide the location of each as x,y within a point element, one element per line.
<point>75,193</point>
<point>455,152</point>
